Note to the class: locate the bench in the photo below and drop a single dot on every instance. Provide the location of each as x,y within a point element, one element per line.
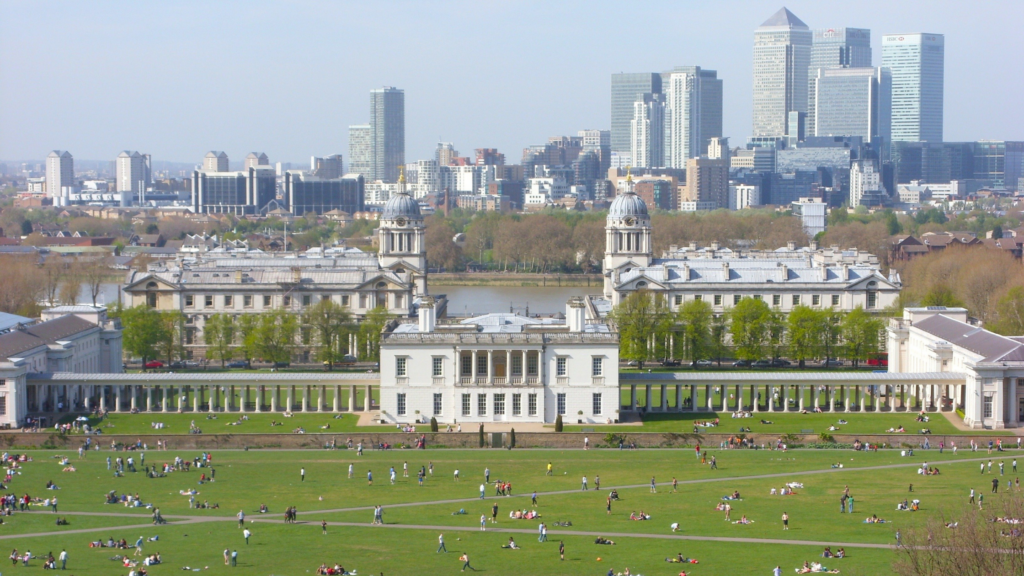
<point>807,431</point>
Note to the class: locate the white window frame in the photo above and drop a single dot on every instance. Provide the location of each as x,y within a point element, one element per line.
<point>987,406</point>
<point>401,366</point>
<point>481,404</point>
<point>597,366</point>
<point>531,404</point>
<point>596,403</point>
<point>561,366</point>
<point>437,366</point>
<point>499,404</point>
<point>517,404</point>
<point>400,404</point>
<point>467,404</point>
<point>438,403</point>
<point>560,403</point>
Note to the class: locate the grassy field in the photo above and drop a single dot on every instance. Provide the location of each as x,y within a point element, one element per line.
<point>415,515</point>
<point>230,423</point>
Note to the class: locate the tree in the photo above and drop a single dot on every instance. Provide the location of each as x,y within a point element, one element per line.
<point>805,332</point>
<point>172,328</point>
<point>70,284</point>
<point>831,328</point>
<point>142,331</point>
<point>248,337</point>
<point>53,274</point>
<point>942,295</point>
<point>369,333</point>
<point>749,326</point>
<point>558,423</point>
<point>20,286</point>
<point>776,332</point>
<point>330,323</point>
<point>93,275</point>
<point>641,316</point>
<point>276,335</point>
<point>862,334</point>
<point>719,330</point>
<point>1010,313</point>
<point>219,337</point>
<point>695,318</point>
<point>997,232</point>
<point>442,251</point>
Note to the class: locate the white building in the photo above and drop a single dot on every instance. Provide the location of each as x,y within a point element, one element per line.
<point>647,131</point>
<point>500,368</point>
<point>939,339</point>
<point>546,190</point>
<point>813,215</point>
<point>917,62</point>
<point>215,161</point>
<point>76,339</point>
<point>864,179</point>
<point>744,196</point>
<point>60,172</point>
<point>131,173</point>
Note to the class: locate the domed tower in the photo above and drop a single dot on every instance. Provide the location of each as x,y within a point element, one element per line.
<point>627,235</point>
<point>402,247</point>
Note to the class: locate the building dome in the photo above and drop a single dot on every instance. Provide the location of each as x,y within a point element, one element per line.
<point>627,204</point>
<point>401,205</point>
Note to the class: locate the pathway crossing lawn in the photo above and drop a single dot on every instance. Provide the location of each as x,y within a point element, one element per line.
<point>415,515</point>
<point>229,423</point>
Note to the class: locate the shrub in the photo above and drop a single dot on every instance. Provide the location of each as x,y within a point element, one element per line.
<point>558,423</point>
<point>826,438</point>
<point>433,424</point>
<point>512,439</point>
<point>481,432</point>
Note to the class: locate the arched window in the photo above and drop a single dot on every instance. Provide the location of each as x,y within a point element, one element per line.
<point>641,284</point>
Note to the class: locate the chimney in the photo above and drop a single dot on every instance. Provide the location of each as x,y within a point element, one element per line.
<point>575,314</point>
<point>846,272</point>
<point>428,318</point>
<point>791,245</point>
<point>714,245</point>
<point>725,270</point>
<point>296,275</point>
<point>238,276</point>
<point>686,272</point>
<point>785,272</point>
<point>693,245</point>
<point>813,245</point>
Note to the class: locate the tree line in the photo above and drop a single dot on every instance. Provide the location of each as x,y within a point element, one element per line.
<point>57,280</point>
<point>751,330</point>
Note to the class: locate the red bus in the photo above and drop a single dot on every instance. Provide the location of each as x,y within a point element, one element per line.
<point>879,359</point>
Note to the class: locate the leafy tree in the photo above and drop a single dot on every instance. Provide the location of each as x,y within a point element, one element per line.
<point>695,319</point>
<point>831,329</point>
<point>330,323</point>
<point>639,317</point>
<point>719,330</point>
<point>1010,313</point>
<point>862,333</point>
<point>776,332</point>
<point>558,423</point>
<point>143,329</point>
<point>173,327</point>
<point>997,231</point>
<point>942,295</point>
<point>805,332</point>
<point>219,337</point>
<point>749,325</point>
<point>276,335</point>
<point>369,333</point>
<point>248,331</point>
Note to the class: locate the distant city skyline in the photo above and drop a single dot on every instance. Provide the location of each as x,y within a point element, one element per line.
<point>180,103</point>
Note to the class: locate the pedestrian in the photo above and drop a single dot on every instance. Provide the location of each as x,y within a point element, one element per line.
<point>1001,467</point>
<point>369,477</point>
<point>302,474</point>
<point>246,534</point>
<point>990,465</point>
<point>483,522</point>
<point>899,543</point>
<point>842,504</point>
<point>995,485</point>
<point>234,557</point>
<point>350,471</point>
<point>608,506</point>
<point>323,527</point>
<point>405,469</point>
<point>549,468</point>
<point>430,467</point>
<point>777,571</point>
<point>654,490</point>
<point>138,546</point>
<point>487,475</point>
<point>227,556</point>
<point>675,484</point>
<point>494,513</point>
<point>982,467</point>
<point>981,501</point>
<point>561,550</point>
<point>911,488</point>
<point>597,482</point>
<point>971,501</point>
<point>482,488</point>
<point>63,559</point>
<point>108,462</point>
<point>849,504</point>
<point>456,474</point>
<point>533,499</point>
<point>1014,465</point>
<point>543,532</point>
<point>785,521</point>
<point>465,557</point>
<point>391,472</point>
<point>440,544</point>
<point>714,463</point>
<point>728,512</point>
<point>53,504</point>
<point>584,487</point>
<point>586,443</point>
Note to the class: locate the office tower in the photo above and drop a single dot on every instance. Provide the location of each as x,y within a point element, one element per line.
<point>445,153</point>
<point>60,172</point>
<point>743,196</point>
<point>216,162</point>
<point>312,193</point>
<point>853,102</point>
<point>253,159</point>
<point>360,150</point>
<point>626,89</point>
<point>932,162</point>
<point>387,133</point>
<point>238,193</point>
<point>836,48</point>
<point>329,167</point>
<point>130,173</point>
<point>1013,175</point>
<point>864,179</point>
<point>595,139</point>
<point>693,112</point>
<point>647,132</point>
<point>916,62</point>
<point>707,180</point>
<point>782,55</point>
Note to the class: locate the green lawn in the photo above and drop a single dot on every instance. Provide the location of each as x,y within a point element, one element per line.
<point>229,423</point>
<point>407,542</point>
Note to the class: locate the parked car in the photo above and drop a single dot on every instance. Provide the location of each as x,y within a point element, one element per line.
<point>191,363</point>
<point>237,364</point>
<point>176,365</point>
<point>741,364</point>
<point>762,364</point>
<point>832,363</point>
<point>703,363</point>
<point>670,363</point>
<point>631,363</point>
<point>780,363</point>
<point>154,364</point>
<point>282,364</point>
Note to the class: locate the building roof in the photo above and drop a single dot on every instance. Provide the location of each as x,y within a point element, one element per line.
<point>8,321</point>
<point>199,377</point>
<point>992,346</point>
<point>794,377</point>
<point>256,276</point>
<point>741,271</point>
<point>18,341</point>
<point>502,328</point>
<point>784,18</point>
<point>627,204</point>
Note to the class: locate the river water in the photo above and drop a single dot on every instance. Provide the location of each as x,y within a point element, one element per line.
<point>462,300</point>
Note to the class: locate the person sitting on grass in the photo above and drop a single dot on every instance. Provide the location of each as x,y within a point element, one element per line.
<point>680,559</point>
<point>614,495</point>
<point>511,545</point>
<point>744,520</point>
<point>874,519</point>
<point>604,541</point>
<point>827,553</point>
<point>841,553</point>
<point>763,421</point>
<point>263,509</point>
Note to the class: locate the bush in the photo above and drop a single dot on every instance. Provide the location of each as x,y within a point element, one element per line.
<point>558,423</point>
<point>433,424</point>
<point>481,432</point>
<point>826,438</point>
<point>512,439</point>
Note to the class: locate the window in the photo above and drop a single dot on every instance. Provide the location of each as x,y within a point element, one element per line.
<point>437,404</point>
<point>596,366</point>
<point>736,299</point>
<point>776,300</point>
<point>560,366</point>
<point>835,299</point>
<point>3,405</point>
<point>190,300</point>
<point>266,301</point>
<point>499,404</point>
<point>398,300</point>
<point>229,301</point>
<point>987,407</point>
<point>151,299</point>
<point>344,300</point>
<point>481,404</point>
<point>757,297</point>
<point>517,404</point>
<point>597,404</point>
<point>287,301</point>
<point>531,404</point>
<point>816,300</point>
<point>698,297</point>
<point>561,404</point>
<point>400,366</point>
<point>325,297</point>
<point>718,299</point>
<point>872,299</point>
<point>517,365</point>
<point>362,300</point>
<point>531,365</point>
<point>796,299</point>
<point>401,404</point>
<point>467,365</point>
<point>306,335</point>
<point>1020,382</point>
<point>437,366</point>
<point>465,404</point>
<point>481,365</point>
<point>208,301</point>
<point>307,299</point>
<point>247,301</point>
<point>679,299</point>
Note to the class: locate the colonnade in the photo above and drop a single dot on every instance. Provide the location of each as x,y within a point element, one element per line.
<point>725,397</point>
<point>500,367</point>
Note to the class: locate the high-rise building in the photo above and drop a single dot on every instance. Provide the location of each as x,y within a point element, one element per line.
<point>216,162</point>
<point>626,89</point>
<point>864,179</point>
<point>782,56</point>
<point>932,162</point>
<point>917,64</point>
<point>253,159</point>
<point>360,150</point>
<point>130,173</point>
<point>147,167</point>
<point>600,141</point>
<point>707,180</point>
<point>1014,166</point>
<point>310,193</point>
<point>329,168</point>
<point>445,153</point>
<point>489,157</point>
<point>60,172</point>
<point>238,193</point>
<point>693,112</point>
<point>853,102</point>
<point>647,131</point>
<point>836,48</point>
<point>387,133</point>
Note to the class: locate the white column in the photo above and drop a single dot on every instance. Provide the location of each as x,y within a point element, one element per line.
<point>753,398</point>
<point>275,396</point>
<point>679,397</point>
<point>337,398</point>
<point>490,366</point>
<point>117,398</point>
<point>632,397</point>
<point>475,367</point>
<point>664,398</point>
<point>368,401</point>
<point>196,392</point>
<point>523,370</point>
<point>863,391</point>
<point>693,397</point>
<point>149,398</point>
<point>305,398</point>
<point>710,397</point>
<point>785,398</point>
<point>648,397</point>
<point>508,366</point>
<point>800,390</point>
<point>846,398</point>
<point>103,400</point>
<point>291,398</point>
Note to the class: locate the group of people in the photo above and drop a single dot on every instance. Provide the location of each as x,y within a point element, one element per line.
<point>336,570</point>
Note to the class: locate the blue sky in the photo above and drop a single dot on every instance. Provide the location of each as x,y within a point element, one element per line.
<point>177,79</point>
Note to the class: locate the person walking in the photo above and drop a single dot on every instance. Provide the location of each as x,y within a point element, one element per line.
<point>63,559</point>
<point>561,550</point>
<point>1014,465</point>
<point>487,475</point>
<point>1001,464</point>
<point>350,471</point>
<point>465,559</point>
<point>849,504</point>
<point>533,499</point>
<point>246,534</point>
<point>53,504</point>
<point>241,518</point>
<point>995,485</point>
<point>714,463</point>
<point>369,477</point>
<point>654,489</point>
<point>405,469</point>
<point>227,556</point>
<point>482,488</point>
<point>543,532</point>
<point>302,474</point>
<point>981,501</point>
<point>785,521</point>
<point>440,544</point>
<point>323,527</point>
<point>392,473</point>
<point>584,487</point>
<point>586,443</point>
<point>675,484</point>
<point>483,522</point>
<point>608,506</point>
<point>728,512</point>
<point>234,558</point>
<point>138,546</point>
<point>494,513</point>
<point>597,482</point>
<point>549,469</point>
<point>971,501</point>
<point>899,542</point>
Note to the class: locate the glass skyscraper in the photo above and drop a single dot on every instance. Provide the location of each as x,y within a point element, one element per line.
<point>387,133</point>
<point>853,102</point>
<point>360,150</point>
<point>836,48</point>
<point>916,62</point>
<point>782,57</point>
<point>693,112</point>
<point>626,89</point>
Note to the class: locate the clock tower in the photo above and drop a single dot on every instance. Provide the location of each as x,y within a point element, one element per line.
<point>627,235</point>
<point>401,243</point>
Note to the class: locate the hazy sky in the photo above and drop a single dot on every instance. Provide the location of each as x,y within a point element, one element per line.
<point>176,79</point>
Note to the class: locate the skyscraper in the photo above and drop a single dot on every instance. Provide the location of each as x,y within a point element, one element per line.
<point>647,131</point>
<point>782,56</point>
<point>60,172</point>
<point>853,102</point>
<point>836,48</point>
<point>864,180</point>
<point>693,112</point>
<point>130,173</point>
<point>387,133</point>
<point>626,88</point>
<point>253,159</point>
<point>445,153</point>
<point>360,150</point>
<point>917,62</point>
<point>215,161</point>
